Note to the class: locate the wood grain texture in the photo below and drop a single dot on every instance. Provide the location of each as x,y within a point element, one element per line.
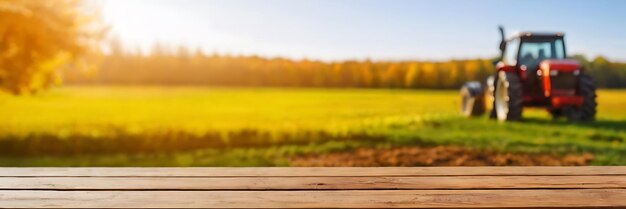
<point>315,199</point>
<point>424,187</point>
<point>312,183</point>
<point>315,171</point>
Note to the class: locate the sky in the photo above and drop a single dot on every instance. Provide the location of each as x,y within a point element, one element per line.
<point>334,30</point>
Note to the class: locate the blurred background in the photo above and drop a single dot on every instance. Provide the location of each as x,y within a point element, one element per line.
<point>291,83</point>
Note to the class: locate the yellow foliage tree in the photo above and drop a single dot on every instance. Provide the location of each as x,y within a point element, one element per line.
<point>38,38</point>
<point>412,76</point>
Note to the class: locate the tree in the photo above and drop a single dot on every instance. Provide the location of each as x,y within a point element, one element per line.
<point>449,75</point>
<point>429,76</point>
<point>412,76</point>
<point>40,37</point>
<point>600,66</point>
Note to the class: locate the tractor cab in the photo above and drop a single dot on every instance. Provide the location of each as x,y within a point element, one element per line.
<point>527,50</point>
<point>533,71</point>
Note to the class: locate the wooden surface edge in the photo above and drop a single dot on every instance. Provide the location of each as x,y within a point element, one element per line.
<point>315,199</point>
<point>309,171</point>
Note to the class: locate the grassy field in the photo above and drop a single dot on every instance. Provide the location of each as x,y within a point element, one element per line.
<point>152,126</point>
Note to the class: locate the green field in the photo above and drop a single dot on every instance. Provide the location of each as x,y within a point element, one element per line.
<point>185,126</point>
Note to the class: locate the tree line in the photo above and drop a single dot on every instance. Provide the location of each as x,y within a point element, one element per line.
<point>183,66</point>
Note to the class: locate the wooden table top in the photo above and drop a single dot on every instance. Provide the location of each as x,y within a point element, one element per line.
<point>388,187</point>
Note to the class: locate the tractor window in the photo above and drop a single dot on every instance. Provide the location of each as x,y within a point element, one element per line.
<point>560,49</point>
<point>510,55</point>
<point>532,52</point>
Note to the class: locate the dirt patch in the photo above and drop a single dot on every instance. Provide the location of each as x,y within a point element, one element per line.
<point>436,156</point>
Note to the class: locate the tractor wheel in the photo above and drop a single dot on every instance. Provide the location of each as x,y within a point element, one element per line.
<point>472,99</point>
<point>587,112</point>
<point>508,103</point>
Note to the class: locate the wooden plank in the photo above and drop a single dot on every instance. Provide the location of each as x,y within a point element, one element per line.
<point>315,199</point>
<point>311,183</point>
<point>315,171</point>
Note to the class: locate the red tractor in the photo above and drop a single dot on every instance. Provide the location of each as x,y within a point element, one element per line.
<point>533,71</point>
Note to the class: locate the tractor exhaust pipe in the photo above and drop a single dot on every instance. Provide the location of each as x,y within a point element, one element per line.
<point>502,42</point>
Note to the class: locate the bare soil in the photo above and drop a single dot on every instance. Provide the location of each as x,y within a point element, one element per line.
<point>436,156</point>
